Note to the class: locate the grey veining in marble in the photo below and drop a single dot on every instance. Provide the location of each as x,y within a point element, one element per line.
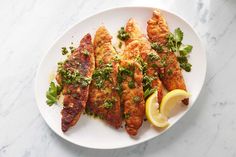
<point>27,29</point>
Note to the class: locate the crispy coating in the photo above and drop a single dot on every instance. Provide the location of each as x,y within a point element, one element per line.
<point>100,96</point>
<point>157,30</point>
<point>132,98</point>
<point>138,45</point>
<point>75,96</point>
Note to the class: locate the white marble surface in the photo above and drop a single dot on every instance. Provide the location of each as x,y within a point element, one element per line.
<point>27,30</point>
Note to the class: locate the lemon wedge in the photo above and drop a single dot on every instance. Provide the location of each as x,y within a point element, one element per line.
<point>171,99</point>
<point>153,114</point>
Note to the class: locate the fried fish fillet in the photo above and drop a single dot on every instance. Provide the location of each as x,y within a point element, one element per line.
<point>157,30</point>
<point>132,95</point>
<point>104,100</point>
<point>139,48</point>
<point>80,63</point>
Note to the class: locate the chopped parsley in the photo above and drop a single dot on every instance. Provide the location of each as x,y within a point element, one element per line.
<point>120,44</point>
<point>53,93</point>
<point>72,49</point>
<point>131,84</point>
<point>64,51</point>
<point>148,92</point>
<point>163,61</point>
<point>102,74</point>
<point>153,57</point>
<point>142,63</point>
<point>184,64</point>
<point>158,48</point>
<point>126,115</point>
<point>122,34</point>
<point>126,71</point>
<point>108,104</point>
<point>147,81</point>
<point>72,77</point>
<point>169,72</point>
<point>86,52</point>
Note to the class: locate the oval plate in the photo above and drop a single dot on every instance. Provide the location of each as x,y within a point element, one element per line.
<point>93,133</point>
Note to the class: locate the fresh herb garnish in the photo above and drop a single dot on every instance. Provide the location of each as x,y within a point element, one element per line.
<point>108,104</point>
<point>184,64</point>
<point>153,57</point>
<point>72,77</point>
<point>102,74</point>
<point>126,115</point>
<point>142,63</point>
<point>117,58</point>
<point>174,43</point>
<point>120,44</point>
<point>119,89</point>
<point>148,92</point>
<point>52,93</point>
<point>122,34</point>
<point>64,51</point>
<point>184,50</point>
<point>72,49</point>
<point>131,84</point>
<point>158,48</point>
<point>126,71</point>
<point>169,72</point>
<point>147,81</point>
<point>86,52</point>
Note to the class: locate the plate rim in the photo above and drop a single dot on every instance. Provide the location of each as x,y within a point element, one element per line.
<point>90,16</point>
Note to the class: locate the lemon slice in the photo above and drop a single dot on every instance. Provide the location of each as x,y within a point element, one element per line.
<point>171,99</point>
<point>152,112</point>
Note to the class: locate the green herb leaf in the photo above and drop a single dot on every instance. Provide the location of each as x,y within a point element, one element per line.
<point>52,93</point>
<point>178,35</point>
<point>186,66</point>
<point>64,51</point>
<point>126,115</point>
<point>158,48</point>
<point>102,74</point>
<point>148,92</point>
<point>85,52</point>
<point>153,57</point>
<point>131,84</point>
<point>108,104</point>
<point>184,50</point>
<point>169,72</point>
<point>122,34</point>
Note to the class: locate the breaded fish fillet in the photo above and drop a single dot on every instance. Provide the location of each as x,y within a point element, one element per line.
<point>75,75</point>
<point>132,95</point>
<point>157,30</point>
<point>104,100</point>
<point>138,48</point>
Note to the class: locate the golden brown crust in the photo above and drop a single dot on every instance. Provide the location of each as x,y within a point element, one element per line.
<point>157,28</point>
<point>132,98</point>
<point>138,45</point>
<point>104,54</point>
<point>75,96</point>
<point>102,36</point>
<point>158,31</point>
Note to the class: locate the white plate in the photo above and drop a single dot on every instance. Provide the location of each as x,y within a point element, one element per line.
<point>94,133</point>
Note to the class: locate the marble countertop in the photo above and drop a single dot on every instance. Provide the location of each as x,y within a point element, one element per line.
<point>27,30</point>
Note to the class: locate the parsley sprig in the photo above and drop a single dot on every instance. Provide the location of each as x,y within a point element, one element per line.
<point>53,93</point>
<point>174,44</point>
